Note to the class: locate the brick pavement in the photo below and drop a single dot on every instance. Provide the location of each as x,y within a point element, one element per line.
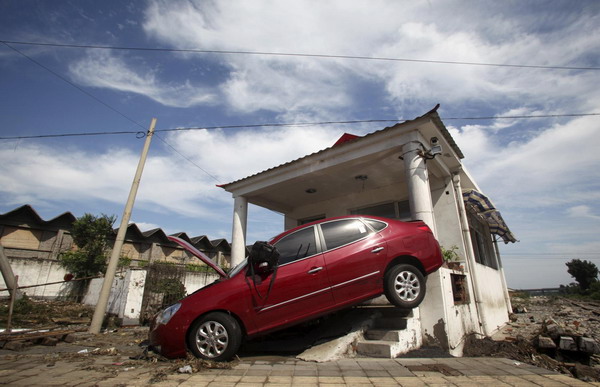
<point>37,370</point>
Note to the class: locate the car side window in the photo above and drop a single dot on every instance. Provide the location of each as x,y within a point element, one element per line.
<point>342,232</point>
<point>377,225</point>
<point>298,245</point>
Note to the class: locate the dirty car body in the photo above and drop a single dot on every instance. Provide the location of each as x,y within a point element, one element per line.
<point>323,266</point>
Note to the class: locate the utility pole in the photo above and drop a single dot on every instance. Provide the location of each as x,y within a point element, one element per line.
<point>100,310</point>
<point>9,277</point>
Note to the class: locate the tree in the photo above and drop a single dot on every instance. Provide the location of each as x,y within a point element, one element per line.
<point>584,272</point>
<point>91,235</point>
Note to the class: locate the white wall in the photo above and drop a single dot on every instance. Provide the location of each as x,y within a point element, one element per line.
<point>119,293</point>
<point>446,215</point>
<point>493,305</point>
<point>194,281</point>
<point>339,207</point>
<point>126,294</point>
<point>33,271</point>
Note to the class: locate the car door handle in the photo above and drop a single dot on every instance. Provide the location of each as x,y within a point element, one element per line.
<point>315,270</point>
<point>377,249</point>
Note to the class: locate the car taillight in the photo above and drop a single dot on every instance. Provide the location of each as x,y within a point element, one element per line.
<point>425,228</point>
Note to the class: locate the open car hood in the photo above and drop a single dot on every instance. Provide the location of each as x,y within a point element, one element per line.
<point>203,257</point>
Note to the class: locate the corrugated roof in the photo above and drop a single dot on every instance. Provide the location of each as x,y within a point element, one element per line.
<point>27,212</point>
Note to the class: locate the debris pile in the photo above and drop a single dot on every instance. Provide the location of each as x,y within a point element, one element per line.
<point>16,341</point>
<point>32,313</point>
<point>558,334</point>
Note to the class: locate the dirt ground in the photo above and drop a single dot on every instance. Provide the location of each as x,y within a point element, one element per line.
<point>68,322</point>
<point>537,315</point>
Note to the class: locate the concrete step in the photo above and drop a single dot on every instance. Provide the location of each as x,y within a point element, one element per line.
<point>394,332</point>
<point>382,334</point>
<point>375,348</point>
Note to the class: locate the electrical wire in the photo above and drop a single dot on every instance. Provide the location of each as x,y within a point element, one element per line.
<point>188,159</point>
<point>300,124</point>
<point>72,84</point>
<point>292,54</point>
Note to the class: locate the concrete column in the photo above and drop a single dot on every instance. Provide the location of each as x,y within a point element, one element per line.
<point>238,233</point>
<point>417,178</point>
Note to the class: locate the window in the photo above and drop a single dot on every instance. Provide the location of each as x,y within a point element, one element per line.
<point>459,289</point>
<point>342,232</point>
<point>375,224</point>
<point>392,210</point>
<point>298,245</point>
<point>482,242</point>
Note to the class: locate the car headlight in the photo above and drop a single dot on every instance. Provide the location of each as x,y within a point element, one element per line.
<point>166,314</point>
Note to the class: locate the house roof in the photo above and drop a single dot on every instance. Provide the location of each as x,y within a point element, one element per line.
<point>27,214</point>
<point>351,139</point>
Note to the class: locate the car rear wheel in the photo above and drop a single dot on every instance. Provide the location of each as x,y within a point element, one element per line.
<point>404,286</point>
<point>216,336</point>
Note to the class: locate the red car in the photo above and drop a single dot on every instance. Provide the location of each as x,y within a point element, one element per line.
<point>323,266</point>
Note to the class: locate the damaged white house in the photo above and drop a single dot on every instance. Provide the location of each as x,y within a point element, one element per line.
<point>411,170</point>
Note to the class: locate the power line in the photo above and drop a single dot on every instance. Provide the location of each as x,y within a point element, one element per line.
<point>524,116</point>
<point>371,121</point>
<point>299,124</point>
<point>291,54</point>
<point>72,84</point>
<point>188,159</point>
<point>138,134</point>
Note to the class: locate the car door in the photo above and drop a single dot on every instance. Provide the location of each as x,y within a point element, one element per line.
<point>354,257</point>
<point>301,286</point>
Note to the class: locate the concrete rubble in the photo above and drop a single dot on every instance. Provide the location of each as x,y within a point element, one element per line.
<point>556,333</point>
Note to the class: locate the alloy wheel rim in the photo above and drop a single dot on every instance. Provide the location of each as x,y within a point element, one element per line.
<point>212,339</point>
<point>407,286</point>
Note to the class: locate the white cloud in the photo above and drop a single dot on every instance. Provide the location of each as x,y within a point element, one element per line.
<point>557,165</point>
<point>243,153</point>
<point>101,69</point>
<point>78,176</point>
<point>582,211</point>
<point>392,29</point>
<point>543,174</point>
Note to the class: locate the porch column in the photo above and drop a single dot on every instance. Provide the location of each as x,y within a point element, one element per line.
<point>419,192</point>
<point>238,233</point>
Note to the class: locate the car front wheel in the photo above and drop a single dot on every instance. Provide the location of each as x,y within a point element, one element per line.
<point>216,336</point>
<point>404,286</point>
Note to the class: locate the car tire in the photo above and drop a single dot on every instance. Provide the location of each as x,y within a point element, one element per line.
<point>216,336</point>
<point>404,286</point>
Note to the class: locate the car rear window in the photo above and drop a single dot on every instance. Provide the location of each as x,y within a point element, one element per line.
<point>342,232</point>
<point>298,245</point>
<point>375,224</point>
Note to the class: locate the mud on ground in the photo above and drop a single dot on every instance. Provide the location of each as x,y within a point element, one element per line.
<point>121,349</point>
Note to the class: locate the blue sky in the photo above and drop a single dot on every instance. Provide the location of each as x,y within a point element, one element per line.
<point>543,173</point>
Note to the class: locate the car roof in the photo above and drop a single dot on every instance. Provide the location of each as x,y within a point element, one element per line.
<point>292,230</point>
